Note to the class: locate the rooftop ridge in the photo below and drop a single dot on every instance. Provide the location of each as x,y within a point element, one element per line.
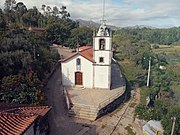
<point>18,114</point>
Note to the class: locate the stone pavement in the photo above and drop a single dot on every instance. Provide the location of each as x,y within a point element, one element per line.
<point>93,97</point>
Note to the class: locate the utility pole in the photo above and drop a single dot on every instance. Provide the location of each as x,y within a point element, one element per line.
<point>173,126</point>
<point>149,70</point>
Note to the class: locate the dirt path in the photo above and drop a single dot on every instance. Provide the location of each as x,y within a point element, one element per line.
<point>121,121</point>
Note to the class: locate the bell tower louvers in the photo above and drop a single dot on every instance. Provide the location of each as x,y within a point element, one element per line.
<point>102,49</point>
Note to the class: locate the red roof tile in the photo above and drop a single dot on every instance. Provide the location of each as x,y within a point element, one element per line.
<point>85,51</point>
<point>15,124</point>
<point>18,120</point>
<point>84,48</point>
<point>38,110</point>
<point>38,30</point>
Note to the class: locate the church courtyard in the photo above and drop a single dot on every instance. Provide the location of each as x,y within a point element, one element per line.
<point>96,99</point>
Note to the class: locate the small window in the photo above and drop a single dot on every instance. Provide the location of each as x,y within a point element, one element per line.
<point>102,44</point>
<point>101,60</point>
<point>78,61</point>
<point>78,64</point>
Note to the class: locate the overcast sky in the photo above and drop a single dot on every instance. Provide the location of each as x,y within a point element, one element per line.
<point>158,13</point>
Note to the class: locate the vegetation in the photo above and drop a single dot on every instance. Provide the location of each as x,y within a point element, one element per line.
<point>154,36</point>
<point>24,89</point>
<point>134,55</point>
<point>25,37</point>
<point>130,130</point>
<point>26,58</point>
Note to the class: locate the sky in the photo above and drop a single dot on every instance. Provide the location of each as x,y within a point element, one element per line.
<point>121,13</point>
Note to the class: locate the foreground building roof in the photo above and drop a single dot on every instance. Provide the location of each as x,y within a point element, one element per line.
<point>15,124</point>
<point>16,121</point>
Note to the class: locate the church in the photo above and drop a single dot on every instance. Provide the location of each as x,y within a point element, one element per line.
<point>90,66</point>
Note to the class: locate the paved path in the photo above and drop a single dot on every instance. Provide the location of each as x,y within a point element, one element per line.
<point>60,123</point>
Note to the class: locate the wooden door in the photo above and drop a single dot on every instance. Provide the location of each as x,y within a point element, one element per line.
<point>78,78</point>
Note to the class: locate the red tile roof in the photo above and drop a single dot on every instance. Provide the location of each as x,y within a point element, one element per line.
<point>85,51</point>
<point>17,120</point>
<point>84,48</point>
<point>15,124</point>
<point>38,30</point>
<point>38,110</point>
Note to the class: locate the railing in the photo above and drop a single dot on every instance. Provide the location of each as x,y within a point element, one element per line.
<point>109,100</point>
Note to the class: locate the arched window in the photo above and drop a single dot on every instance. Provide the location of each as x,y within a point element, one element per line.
<point>78,64</point>
<point>78,61</point>
<point>102,44</point>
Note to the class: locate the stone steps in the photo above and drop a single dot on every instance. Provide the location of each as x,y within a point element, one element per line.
<point>84,112</point>
<point>72,112</point>
<point>84,116</point>
<point>84,109</point>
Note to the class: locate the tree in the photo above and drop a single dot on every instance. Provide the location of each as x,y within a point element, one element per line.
<point>9,5</point>
<point>22,89</point>
<point>64,13</point>
<point>82,35</point>
<point>58,32</point>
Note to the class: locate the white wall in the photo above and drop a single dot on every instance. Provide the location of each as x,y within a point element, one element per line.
<point>106,54</point>
<point>69,69</point>
<point>102,77</point>
<point>102,71</point>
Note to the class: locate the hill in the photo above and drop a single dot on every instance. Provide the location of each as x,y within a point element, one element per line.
<point>90,23</point>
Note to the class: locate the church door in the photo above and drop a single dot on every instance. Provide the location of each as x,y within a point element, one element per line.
<point>78,78</point>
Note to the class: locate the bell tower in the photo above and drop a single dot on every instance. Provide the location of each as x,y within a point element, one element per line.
<point>102,49</point>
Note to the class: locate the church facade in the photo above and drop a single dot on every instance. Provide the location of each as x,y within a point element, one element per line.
<point>90,67</point>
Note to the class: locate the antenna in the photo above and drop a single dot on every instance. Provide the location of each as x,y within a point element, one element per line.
<point>103,9</point>
<point>103,13</point>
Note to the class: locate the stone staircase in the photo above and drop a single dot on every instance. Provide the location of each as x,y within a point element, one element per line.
<point>83,111</point>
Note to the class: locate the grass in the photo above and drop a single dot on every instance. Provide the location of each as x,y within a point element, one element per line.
<point>130,70</point>
<point>166,48</point>
<point>144,94</point>
<point>172,53</point>
<point>130,130</point>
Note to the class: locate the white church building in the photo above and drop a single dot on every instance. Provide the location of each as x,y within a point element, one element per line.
<point>90,67</point>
